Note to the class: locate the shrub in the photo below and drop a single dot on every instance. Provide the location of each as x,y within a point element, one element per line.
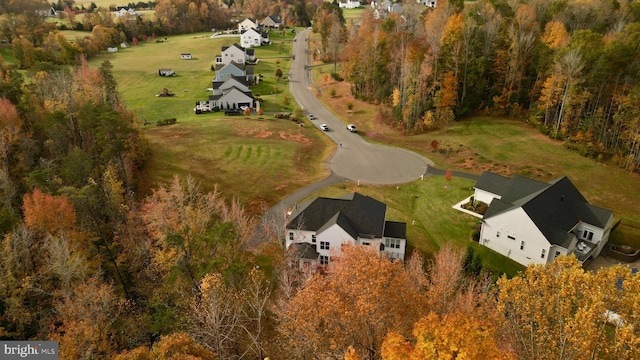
<point>332,92</point>
<point>336,77</point>
<point>169,121</point>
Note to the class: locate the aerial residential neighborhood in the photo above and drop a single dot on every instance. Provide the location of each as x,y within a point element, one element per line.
<point>356,180</point>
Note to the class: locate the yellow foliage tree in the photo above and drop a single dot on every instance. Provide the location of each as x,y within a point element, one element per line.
<point>559,311</point>
<point>450,336</point>
<point>555,35</point>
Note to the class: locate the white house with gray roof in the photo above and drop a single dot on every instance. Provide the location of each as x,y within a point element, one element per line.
<point>235,53</point>
<point>253,38</point>
<point>317,229</point>
<point>532,221</point>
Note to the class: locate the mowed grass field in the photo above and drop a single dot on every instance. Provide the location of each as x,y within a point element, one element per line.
<point>256,159</point>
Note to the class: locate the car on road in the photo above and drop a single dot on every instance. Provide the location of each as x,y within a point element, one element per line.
<point>311,117</point>
<point>352,128</point>
<point>324,127</point>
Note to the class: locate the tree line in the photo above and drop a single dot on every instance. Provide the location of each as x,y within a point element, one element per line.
<point>570,67</point>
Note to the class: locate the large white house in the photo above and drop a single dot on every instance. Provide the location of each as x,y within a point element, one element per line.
<point>318,229</point>
<point>235,53</point>
<point>247,24</point>
<point>253,38</point>
<point>532,221</point>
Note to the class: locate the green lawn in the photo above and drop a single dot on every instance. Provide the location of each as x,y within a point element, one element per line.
<point>258,161</point>
<point>426,207</point>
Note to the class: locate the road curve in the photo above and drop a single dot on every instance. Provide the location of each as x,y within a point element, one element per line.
<point>355,159</point>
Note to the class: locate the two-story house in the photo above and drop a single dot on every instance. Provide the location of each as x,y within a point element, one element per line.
<point>272,21</point>
<point>532,221</point>
<point>317,229</point>
<point>232,93</point>
<point>253,38</point>
<point>235,53</point>
<point>247,24</point>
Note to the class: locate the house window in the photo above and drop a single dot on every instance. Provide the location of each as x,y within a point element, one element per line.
<point>313,238</point>
<point>521,245</point>
<point>557,254</point>
<point>511,237</point>
<point>324,245</point>
<point>324,260</point>
<point>543,253</point>
<point>587,235</point>
<point>290,236</point>
<point>366,243</point>
<point>392,243</point>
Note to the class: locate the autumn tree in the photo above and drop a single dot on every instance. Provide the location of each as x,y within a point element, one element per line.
<point>175,346</point>
<point>48,214</point>
<point>559,311</point>
<point>360,299</point>
<point>327,17</point>
<point>449,336</point>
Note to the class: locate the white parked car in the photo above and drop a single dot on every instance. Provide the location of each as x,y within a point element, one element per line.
<point>352,128</point>
<point>324,127</point>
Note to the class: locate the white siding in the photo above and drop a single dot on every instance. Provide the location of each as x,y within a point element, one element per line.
<point>504,233</point>
<point>484,196</point>
<point>335,236</point>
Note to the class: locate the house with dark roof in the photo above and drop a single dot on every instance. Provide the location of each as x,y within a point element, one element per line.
<point>253,38</point>
<point>235,53</point>
<point>246,24</point>
<point>272,21</point>
<point>324,225</point>
<point>532,221</point>
<point>234,69</point>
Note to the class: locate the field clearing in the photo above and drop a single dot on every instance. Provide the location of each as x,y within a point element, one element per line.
<point>255,160</point>
<point>136,70</point>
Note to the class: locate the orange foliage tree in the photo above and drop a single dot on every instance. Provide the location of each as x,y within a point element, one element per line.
<point>47,213</point>
<point>450,336</point>
<point>356,303</point>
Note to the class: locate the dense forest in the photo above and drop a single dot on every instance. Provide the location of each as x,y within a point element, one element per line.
<point>570,67</point>
<point>109,275</point>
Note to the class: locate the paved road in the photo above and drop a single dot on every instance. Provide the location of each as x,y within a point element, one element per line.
<point>356,159</point>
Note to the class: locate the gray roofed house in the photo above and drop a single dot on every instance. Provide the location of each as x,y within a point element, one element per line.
<point>272,21</point>
<point>328,223</point>
<point>532,221</point>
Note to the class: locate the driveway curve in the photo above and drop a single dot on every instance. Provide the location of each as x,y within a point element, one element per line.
<point>355,159</point>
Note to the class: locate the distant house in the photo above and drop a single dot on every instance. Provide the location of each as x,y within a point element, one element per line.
<point>112,49</point>
<point>349,4</point>
<point>531,221</point>
<point>47,12</point>
<point>247,24</point>
<point>272,21</point>
<point>166,72</point>
<point>235,53</point>
<point>122,11</point>
<point>428,3</point>
<point>319,228</point>
<point>186,56</point>
<point>253,38</point>
<point>232,81</point>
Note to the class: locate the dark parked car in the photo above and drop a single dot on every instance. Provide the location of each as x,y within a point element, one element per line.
<point>232,112</point>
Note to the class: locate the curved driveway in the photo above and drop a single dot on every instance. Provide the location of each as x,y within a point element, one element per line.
<point>355,159</point>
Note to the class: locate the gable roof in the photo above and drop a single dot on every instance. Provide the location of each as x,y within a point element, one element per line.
<point>235,45</point>
<point>356,214</point>
<point>275,18</point>
<point>304,251</point>
<point>555,207</point>
<point>239,79</point>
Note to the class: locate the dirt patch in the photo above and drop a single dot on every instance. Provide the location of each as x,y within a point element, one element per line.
<point>290,136</point>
